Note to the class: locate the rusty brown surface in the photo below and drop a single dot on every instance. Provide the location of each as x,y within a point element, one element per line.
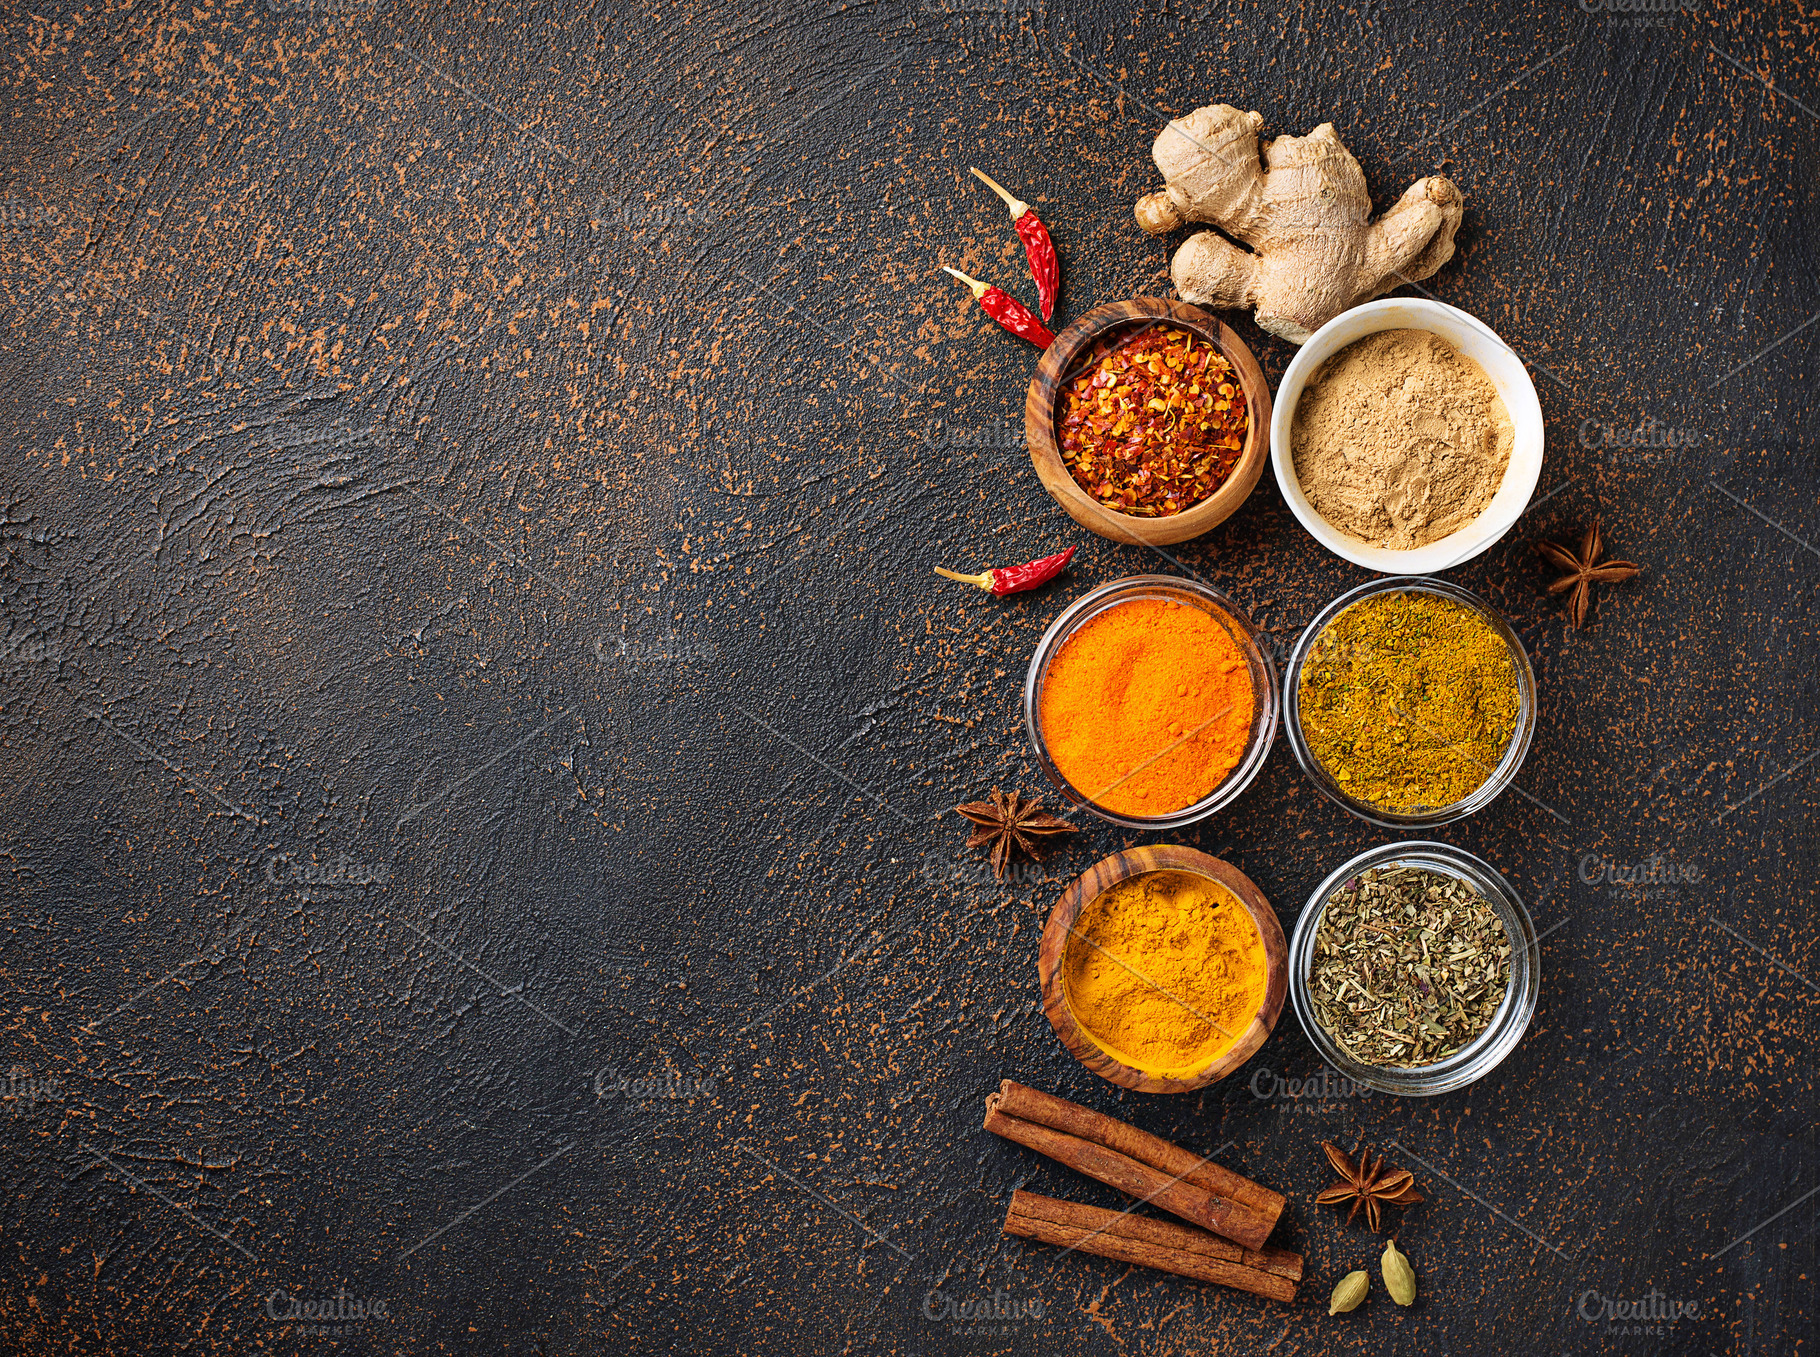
<point>503,451</point>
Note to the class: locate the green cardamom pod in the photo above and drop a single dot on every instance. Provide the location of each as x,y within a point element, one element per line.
<point>1349,1293</point>
<point>1399,1276</point>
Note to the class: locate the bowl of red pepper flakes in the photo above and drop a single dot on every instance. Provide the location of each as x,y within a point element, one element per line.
<point>1152,427</point>
<point>1148,420</point>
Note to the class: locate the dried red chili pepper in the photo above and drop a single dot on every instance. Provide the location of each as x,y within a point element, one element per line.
<point>1014,579</point>
<point>1039,250</point>
<point>1007,310</point>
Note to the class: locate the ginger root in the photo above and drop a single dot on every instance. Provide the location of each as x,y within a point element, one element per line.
<point>1305,213</point>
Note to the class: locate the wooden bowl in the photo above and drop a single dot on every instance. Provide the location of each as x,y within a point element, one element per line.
<point>1094,882</point>
<point>1060,363</point>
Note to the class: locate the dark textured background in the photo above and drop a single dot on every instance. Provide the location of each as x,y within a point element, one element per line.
<point>504,450</point>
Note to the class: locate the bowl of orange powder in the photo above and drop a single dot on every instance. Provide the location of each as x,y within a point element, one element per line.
<point>1150,701</point>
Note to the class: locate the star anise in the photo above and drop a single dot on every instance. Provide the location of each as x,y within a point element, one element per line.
<point>1366,1184</point>
<point>1584,571</point>
<point>1008,822</point>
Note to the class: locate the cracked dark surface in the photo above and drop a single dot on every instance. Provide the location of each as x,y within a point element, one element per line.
<point>497,457</point>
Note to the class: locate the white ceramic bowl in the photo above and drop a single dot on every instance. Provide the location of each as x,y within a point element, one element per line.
<point>1478,342</point>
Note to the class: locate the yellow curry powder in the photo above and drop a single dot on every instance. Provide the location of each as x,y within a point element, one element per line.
<point>1147,707</point>
<point>1409,699</point>
<point>1164,971</point>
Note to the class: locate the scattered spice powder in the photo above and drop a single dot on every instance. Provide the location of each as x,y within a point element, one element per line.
<point>1409,700</point>
<point>1147,707</point>
<point>1156,425</point>
<point>1165,971</point>
<point>1409,966</point>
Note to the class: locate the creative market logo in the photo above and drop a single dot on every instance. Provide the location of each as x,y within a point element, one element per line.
<point>1648,1317</point>
<point>1643,441</point>
<point>322,6</point>
<point>654,652</point>
<point>335,436</point>
<point>25,1090</point>
<point>24,652</point>
<point>1639,13</point>
<point>979,6</point>
<point>939,869</point>
<point>21,217</point>
<point>995,1315</point>
<point>1654,871</point>
<point>1306,1095</point>
<point>283,869</point>
<point>1000,435</point>
<point>641,216</point>
<point>325,1316</point>
<point>670,1085</point>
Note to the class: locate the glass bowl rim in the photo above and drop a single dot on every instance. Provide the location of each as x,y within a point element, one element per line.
<point>1267,717</point>
<point>1514,753</point>
<point>1509,1023</point>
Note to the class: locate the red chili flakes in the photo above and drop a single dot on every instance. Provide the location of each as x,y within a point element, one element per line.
<point>1154,424</point>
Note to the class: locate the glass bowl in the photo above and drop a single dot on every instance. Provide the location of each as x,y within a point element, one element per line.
<point>1266,698</point>
<point>1499,778</point>
<point>1508,1024</point>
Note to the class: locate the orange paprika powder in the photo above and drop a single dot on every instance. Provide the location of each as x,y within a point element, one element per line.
<point>1147,707</point>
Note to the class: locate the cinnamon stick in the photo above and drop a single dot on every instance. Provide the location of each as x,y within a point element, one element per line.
<point>1019,1100</point>
<point>1161,1244</point>
<point>1172,1190</point>
<point>1163,1233</point>
<point>1133,1177</point>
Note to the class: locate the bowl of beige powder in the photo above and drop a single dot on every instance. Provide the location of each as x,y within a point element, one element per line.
<point>1407,436</point>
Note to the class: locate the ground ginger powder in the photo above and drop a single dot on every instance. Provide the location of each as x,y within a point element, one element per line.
<point>1164,971</point>
<point>1400,439</point>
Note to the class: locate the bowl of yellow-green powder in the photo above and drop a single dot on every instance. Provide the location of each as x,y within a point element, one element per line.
<point>1410,702</point>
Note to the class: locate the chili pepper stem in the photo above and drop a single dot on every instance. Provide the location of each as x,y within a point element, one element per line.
<point>979,288</point>
<point>983,581</point>
<point>1017,205</point>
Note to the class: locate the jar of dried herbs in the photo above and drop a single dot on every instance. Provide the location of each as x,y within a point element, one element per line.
<point>1409,965</point>
<point>1408,700</point>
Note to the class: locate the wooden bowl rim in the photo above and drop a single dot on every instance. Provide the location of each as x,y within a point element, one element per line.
<point>1046,456</point>
<point>1122,866</point>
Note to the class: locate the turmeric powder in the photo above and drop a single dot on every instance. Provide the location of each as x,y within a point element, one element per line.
<point>1147,707</point>
<point>1165,971</point>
